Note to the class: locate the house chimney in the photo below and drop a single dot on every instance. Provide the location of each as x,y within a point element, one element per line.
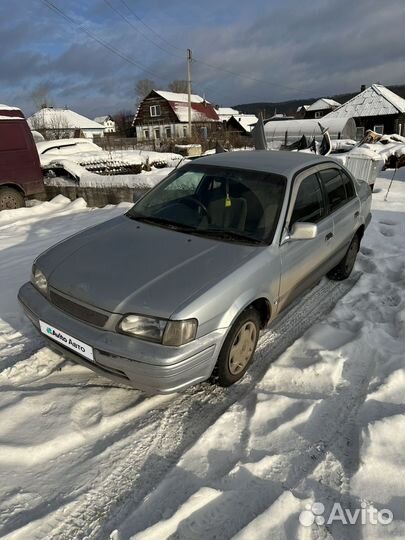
<point>362,87</point>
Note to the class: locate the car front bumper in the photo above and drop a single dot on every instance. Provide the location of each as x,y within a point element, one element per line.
<point>144,365</point>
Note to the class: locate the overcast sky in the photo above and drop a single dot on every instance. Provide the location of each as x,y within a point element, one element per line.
<point>275,49</point>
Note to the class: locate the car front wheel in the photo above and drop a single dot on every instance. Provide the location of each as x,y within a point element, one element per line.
<point>238,348</point>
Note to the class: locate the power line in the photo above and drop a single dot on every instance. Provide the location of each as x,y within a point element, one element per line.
<point>101,42</point>
<point>130,23</point>
<point>149,27</point>
<point>246,77</point>
<point>196,60</point>
<point>137,64</point>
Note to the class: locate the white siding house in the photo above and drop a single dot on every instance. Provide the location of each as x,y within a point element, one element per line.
<point>107,122</point>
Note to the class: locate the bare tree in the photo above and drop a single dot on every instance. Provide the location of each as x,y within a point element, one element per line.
<point>51,124</point>
<point>40,96</point>
<point>143,87</point>
<point>178,86</point>
<point>124,123</point>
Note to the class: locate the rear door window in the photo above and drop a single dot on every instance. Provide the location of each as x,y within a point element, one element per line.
<point>309,205</point>
<point>335,189</point>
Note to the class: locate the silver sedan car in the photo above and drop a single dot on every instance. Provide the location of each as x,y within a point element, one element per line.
<point>176,291</point>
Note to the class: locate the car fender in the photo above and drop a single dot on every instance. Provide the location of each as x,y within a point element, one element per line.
<point>246,299</point>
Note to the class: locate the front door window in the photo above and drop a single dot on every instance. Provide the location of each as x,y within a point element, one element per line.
<point>309,205</point>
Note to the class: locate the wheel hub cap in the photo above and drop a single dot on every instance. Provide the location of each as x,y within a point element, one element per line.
<point>242,348</point>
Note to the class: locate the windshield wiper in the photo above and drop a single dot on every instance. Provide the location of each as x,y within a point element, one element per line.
<point>218,233</point>
<point>162,221</point>
<point>226,234</point>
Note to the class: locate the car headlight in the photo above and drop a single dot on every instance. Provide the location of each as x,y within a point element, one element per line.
<point>39,280</point>
<point>173,333</point>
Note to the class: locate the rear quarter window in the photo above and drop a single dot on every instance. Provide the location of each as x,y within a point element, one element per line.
<point>12,136</point>
<point>349,186</point>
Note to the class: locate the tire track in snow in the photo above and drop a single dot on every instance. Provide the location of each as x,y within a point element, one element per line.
<point>141,465</point>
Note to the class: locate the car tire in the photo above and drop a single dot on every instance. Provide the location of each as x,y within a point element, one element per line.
<point>344,268</point>
<point>11,199</point>
<point>238,348</point>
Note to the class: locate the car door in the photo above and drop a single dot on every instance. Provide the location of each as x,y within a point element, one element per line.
<point>303,261</point>
<point>343,206</point>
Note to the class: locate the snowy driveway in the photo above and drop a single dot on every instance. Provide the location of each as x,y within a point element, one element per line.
<point>319,418</point>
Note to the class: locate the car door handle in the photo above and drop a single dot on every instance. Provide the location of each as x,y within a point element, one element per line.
<point>356,214</point>
<point>328,236</point>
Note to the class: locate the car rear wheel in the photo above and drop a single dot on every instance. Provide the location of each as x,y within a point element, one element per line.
<point>344,268</point>
<point>10,199</point>
<point>238,348</point>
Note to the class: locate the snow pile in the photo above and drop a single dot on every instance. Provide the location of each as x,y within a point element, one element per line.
<point>102,168</point>
<point>386,150</point>
<point>88,179</point>
<point>318,418</point>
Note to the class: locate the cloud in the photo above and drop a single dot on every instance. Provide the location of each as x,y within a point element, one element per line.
<point>278,49</point>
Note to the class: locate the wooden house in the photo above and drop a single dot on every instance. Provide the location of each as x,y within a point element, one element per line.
<point>164,115</point>
<point>241,123</point>
<point>321,107</point>
<point>375,108</point>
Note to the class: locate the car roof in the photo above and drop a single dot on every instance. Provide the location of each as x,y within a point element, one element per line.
<point>278,162</point>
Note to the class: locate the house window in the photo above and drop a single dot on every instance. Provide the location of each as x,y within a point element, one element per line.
<point>359,133</point>
<point>379,129</point>
<point>168,132</point>
<point>318,114</point>
<point>185,131</point>
<point>155,110</point>
<point>146,133</point>
<point>157,133</point>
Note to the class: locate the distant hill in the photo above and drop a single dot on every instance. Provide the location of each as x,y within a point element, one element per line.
<point>290,107</point>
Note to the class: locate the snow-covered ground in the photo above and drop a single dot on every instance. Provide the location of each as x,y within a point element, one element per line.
<point>320,417</point>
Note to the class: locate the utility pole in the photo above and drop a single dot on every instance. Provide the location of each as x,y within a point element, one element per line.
<point>189,58</point>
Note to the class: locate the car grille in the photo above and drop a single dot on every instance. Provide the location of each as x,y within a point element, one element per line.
<point>78,311</point>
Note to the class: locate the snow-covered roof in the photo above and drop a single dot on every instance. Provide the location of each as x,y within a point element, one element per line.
<point>8,108</point>
<point>247,121</point>
<point>10,113</point>
<point>322,103</point>
<point>102,119</point>
<point>201,109</point>
<point>376,100</point>
<point>8,117</point>
<point>305,107</point>
<point>52,118</point>
<point>178,96</point>
<point>225,113</point>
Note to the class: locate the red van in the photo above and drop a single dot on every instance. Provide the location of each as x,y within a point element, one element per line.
<point>20,169</point>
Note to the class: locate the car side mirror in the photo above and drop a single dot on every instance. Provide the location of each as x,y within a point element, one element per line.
<point>303,231</point>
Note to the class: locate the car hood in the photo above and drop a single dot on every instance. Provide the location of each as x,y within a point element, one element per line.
<point>124,266</point>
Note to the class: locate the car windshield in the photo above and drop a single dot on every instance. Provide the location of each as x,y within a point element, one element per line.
<point>232,204</point>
